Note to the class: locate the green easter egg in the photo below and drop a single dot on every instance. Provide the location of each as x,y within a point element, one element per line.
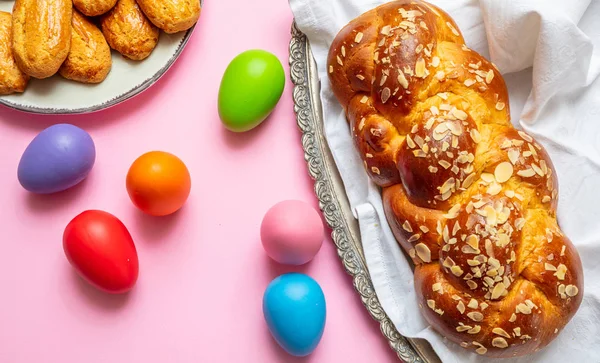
<point>250,89</point>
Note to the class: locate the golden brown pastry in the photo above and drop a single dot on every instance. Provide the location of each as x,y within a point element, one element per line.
<point>12,79</point>
<point>41,35</point>
<point>89,60</point>
<point>128,31</point>
<point>172,16</point>
<point>471,199</point>
<point>94,7</point>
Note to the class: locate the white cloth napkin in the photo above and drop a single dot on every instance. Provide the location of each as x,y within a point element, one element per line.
<point>549,53</point>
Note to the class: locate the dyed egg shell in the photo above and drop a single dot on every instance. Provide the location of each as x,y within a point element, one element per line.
<point>100,248</point>
<point>292,232</point>
<point>295,312</point>
<point>158,183</point>
<point>57,159</point>
<point>250,89</point>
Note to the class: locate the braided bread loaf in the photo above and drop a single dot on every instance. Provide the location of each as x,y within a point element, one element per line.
<point>471,199</point>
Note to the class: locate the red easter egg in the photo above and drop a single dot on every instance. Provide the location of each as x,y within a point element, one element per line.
<point>100,248</point>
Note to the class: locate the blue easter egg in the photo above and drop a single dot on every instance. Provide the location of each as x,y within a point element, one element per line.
<point>57,159</point>
<point>295,311</point>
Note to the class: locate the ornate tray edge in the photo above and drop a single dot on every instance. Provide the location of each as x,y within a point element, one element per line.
<point>318,159</point>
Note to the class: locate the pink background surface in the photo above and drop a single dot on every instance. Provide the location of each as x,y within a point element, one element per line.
<point>203,270</point>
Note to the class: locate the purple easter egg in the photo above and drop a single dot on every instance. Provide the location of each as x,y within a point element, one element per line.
<point>57,159</point>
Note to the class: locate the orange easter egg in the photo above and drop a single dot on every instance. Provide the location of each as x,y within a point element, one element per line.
<point>158,183</point>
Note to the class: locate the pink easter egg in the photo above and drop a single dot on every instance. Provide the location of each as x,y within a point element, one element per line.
<point>292,232</point>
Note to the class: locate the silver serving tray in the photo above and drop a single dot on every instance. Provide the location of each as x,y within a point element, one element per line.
<point>333,201</point>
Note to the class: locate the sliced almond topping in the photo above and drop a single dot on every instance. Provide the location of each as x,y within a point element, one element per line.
<point>410,142</point>
<point>481,350</point>
<point>489,77</point>
<point>561,270</point>
<point>456,270</point>
<point>453,212</point>
<point>461,115</point>
<point>358,37</point>
<point>343,51</point>
<point>423,252</point>
<point>364,99</point>
<point>461,307</point>
<point>402,79</point>
<point>513,318</point>
<point>431,304</point>
<point>414,238</point>
<point>523,309</point>
<point>472,284</point>
<point>386,30</point>
<point>517,331</point>
<point>499,289</point>
<point>503,172</point>
<point>420,68</point>
<point>501,332</point>
<point>519,223</point>
<point>571,290</point>
<point>448,262</point>
<point>537,170</point>
<point>475,315</point>
<point>453,29</point>
<point>469,82</point>
<point>476,329</point>
<point>375,170</point>
<point>488,178</point>
<point>525,136</point>
<point>513,156</point>
<point>527,173</point>
<point>330,69</point>
<point>499,342</point>
<point>385,95</point>
<point>562,250</point>
<point>461,328</point>
<point>549,267</point>
<point>339,60</point>
<point>360,77</point>
<point>500,106</point>
<point>412,253</point>
<point>435,61</point>
<point>407,227</point>
<point>473,304</point>
<point>444,164</point>
<point>437,287</point>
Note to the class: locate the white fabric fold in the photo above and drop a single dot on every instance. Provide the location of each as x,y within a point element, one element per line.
<point>549,53</point>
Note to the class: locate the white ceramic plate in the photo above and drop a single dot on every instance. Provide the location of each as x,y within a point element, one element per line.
<point>127,79</point>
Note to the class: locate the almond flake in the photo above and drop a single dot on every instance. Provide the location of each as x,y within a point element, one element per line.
<point>364,99</point>
<point>402,79</point>
<point>472,284</point>
<point>386,30</point>
<point>469,82</point>
<point>475,135</point>
<point>513,318</point>
<point>385,95</point>
<point>435,61</point>
<point>523,309</point>
<point>456,270</point>
<point>375,170</point>
<point>500,106</point>
<point>476,329</point>
<point>473,304</point>
<point>414,238</point>
<point>562,250</point>
<point>437,287</point>
<point>410,142</point>
<point>431,304</point>
<point>423,252</point>
<point>407,227</point>
<point>499,342</point>
<point>561,270</point>
<point>571,290</point>
<point>453,29</point>
<point>420,68</point>
<point>549,267</point>
<point>461,307</point>
<point>499,289</point>
<point>527,173</point>
<point>475,316</point>
<point>461,115</point>
<point>330,69</point>
<point>489,77</point>
<point>339,60</point>
<point>358,37</point>
<point>503,172</point>
<point>501,332</point>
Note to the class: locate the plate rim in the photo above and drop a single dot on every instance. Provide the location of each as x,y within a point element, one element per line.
<point>129,94</point>
<point>332,198</point>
